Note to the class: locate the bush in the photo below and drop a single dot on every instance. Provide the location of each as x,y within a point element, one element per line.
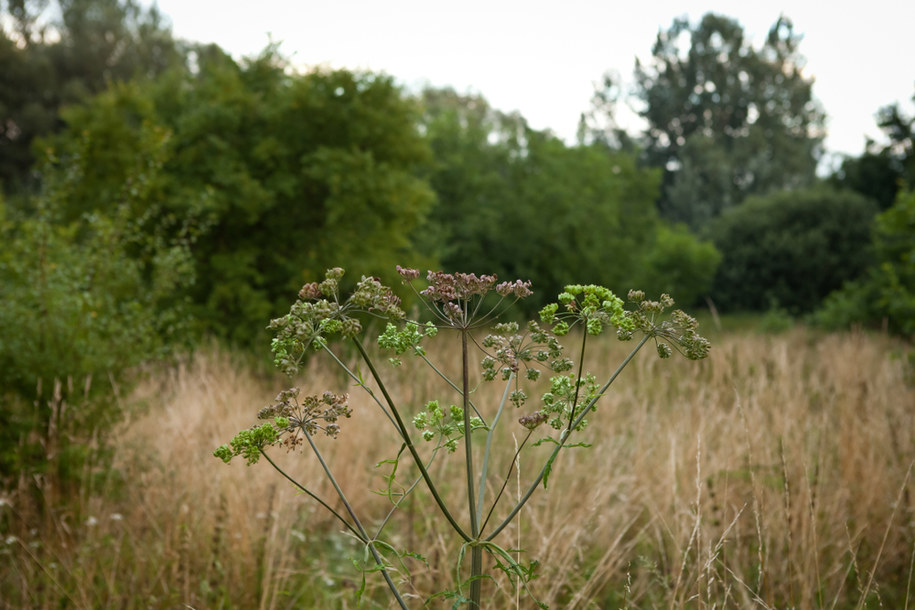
<point>886,295</point>
<point>791,249</point>
<point>83,302</point>
<point>285,174</point>
<point>679,263</point>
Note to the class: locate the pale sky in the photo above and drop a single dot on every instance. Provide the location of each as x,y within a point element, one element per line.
<point>544,58</point>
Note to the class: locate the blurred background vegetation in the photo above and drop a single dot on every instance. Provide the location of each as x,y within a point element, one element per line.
<point>157,193</point>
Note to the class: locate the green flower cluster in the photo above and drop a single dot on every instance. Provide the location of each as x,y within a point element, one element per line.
<point>680,331</point>
<point>595,307</point>
<point>289,417</point>
<point>248,443</point>
<point>407,338</point>
<point>448,427</point>
<point>319,313</point>
<point>564,398</point>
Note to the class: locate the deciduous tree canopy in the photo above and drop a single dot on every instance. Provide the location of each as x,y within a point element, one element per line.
<point>58,54</point>
<point>284,174</point>
<point>521,203</point>
<point>791,249</point>
<point>726,120</point>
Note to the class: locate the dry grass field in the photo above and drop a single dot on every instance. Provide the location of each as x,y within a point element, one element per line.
<point>775,474</point>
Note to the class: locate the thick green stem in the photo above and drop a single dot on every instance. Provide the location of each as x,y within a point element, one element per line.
<point>564,438</point>
<point>409,442</point>
<point>476,551</point>
<point>581,366</point>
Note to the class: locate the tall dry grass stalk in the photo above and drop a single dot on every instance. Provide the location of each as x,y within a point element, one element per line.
<point>775,474</point>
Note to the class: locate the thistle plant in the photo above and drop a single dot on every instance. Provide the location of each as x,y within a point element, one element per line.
<point>471,311</point>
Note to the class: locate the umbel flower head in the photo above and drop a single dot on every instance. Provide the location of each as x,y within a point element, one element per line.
<point>594,307</point>
<point>455,297</point>
<point>319,313</point>
<point>445,426</point>
<point>508,352</point>
<point>312,414</point>
<point>679,332</point>
<point>289,417</point>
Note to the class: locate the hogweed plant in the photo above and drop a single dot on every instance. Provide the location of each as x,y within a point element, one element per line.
<point>472,308</point>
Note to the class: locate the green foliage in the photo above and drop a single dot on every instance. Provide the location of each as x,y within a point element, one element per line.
<point>885,296</point>
<point>791,249</point>
<point>775,320</point>
<point>280,172</point>
<point>679,263</point>
<point>51,60</point>
<point>882,171</point>
<point>83,302</point>
<point>726,120</point>
<point>582,207</point>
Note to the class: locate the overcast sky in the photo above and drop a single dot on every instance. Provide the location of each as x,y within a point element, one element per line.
<point>544,58</point>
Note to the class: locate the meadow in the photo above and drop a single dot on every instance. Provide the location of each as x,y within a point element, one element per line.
<point>777,473</point>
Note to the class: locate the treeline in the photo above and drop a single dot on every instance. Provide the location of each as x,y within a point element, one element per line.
<point>156,190</point>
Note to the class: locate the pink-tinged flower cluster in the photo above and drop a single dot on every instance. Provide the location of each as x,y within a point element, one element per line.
<point>533,420</point>
<point>517,288</point>
<point>450,287</point>
<point>408,273</point>
<point>447,287</point>
<point>310,291</point>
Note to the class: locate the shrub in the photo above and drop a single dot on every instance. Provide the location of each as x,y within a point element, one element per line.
<point>791,249</point>
<point>679,263</point>
<point>83,302</point>
<point>886,294</point>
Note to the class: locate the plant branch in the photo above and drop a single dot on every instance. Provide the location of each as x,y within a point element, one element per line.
<point>581,366</point>
<point>314,497</point>
<point>508,475</point>
<point>489,436</point>
<point>409,442</point>
<point>564,438</point>
<point>364,536</point>
<point>361,384</point>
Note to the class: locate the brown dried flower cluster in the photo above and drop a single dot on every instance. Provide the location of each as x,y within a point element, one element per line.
<point>308,414</point>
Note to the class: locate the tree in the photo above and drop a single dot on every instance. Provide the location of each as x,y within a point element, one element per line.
<point>283,174</point>
<point>885,296</point>
<point>521,203</point>
<point>791,249</point>
<point>50,62</point>
<point>882,171</point>
<point>726,120</point>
